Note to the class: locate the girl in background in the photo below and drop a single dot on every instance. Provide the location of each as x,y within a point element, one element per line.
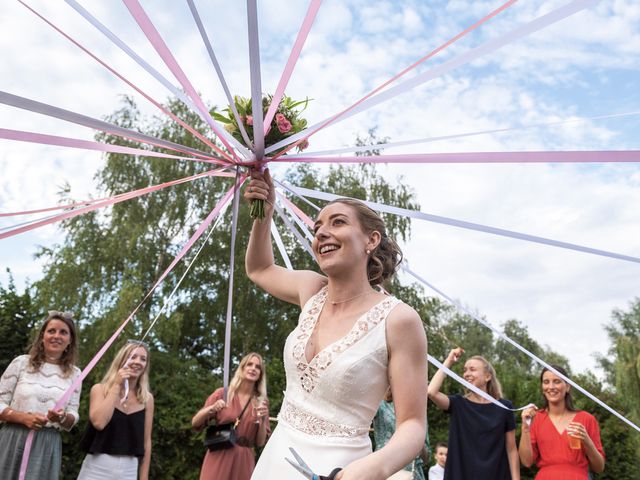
<point>546,439</point>
<point>29,389</point>
<point>246,400</point>
<point>482,436</point>
<point>118,437</point>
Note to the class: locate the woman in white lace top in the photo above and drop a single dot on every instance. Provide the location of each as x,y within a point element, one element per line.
<point>352,342</point>
<point>29,389</point>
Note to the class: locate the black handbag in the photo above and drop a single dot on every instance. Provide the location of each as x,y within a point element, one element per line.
<point>222,436</point>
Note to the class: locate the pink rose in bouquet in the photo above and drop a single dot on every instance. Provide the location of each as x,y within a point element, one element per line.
<point>284,125</point>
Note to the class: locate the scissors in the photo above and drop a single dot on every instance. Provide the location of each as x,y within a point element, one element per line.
<point>304,469</point>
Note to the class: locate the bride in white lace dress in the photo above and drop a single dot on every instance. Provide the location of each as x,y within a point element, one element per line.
<point>351,343</point>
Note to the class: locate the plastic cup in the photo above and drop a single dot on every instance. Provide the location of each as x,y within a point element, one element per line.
<point>575,443</point>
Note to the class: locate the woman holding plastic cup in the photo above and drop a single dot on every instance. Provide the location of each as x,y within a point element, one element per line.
<point>563,442</point>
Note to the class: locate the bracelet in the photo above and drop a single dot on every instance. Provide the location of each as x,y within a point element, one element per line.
<point>63,419</point>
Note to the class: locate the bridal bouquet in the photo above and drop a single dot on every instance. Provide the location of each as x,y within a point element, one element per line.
<point>286,122</point>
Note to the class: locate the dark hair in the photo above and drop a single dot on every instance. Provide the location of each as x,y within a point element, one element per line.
<point>441,445</point>
<point>568,401</point>
<point>69,356</point>
<point>387,256</point>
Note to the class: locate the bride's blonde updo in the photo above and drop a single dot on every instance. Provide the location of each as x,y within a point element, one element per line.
<point>386,257</point>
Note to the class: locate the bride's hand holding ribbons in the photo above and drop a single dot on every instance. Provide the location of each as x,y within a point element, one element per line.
<point>260,187</point>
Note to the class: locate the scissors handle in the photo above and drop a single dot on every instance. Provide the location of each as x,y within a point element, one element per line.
<point>332,475</point>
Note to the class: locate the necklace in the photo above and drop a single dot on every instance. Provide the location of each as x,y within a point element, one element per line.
<point>337,302</point>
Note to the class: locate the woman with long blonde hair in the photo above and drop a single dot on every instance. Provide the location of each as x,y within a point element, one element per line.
<point>482,436</point>
<point>118,436</point>
<point>248,405</point>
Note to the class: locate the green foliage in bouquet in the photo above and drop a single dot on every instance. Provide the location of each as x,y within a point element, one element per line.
<point>286,122</point>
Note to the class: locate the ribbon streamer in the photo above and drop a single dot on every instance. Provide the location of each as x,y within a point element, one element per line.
<point>110,201</point>
<point>384,146</point>
<point>232,255</point>
<point>158,105</point>
<point>296,233</point>
<point>488,47</point>
<point>256,81</point>
<point>312,11</point>
<point>216,66</point>
<point>311,130</point>
<point>279,243</point>
<point>69,206</point>
<point>214,213</point>
<point>471,226</point>
<point>132,54</point>
<point>41,138</point>
<point>582,156</point>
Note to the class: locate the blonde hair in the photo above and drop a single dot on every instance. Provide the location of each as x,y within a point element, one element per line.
<point>123,355</point>
<point>259,388</point>
<point>493,386</point>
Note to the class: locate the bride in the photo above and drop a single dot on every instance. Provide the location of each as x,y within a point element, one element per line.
<point>352,341</point>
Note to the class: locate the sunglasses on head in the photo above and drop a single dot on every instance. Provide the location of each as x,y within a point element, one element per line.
<point>59,314</point>
<point>140,343</point>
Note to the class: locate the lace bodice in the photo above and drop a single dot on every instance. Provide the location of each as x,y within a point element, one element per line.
<point>338,392</point>
<point>27,391</point>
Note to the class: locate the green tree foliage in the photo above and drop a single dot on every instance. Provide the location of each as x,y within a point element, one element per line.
<point>17,319</point>
<point>623,362</point>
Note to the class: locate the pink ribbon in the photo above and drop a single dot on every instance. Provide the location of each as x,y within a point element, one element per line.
<point>109,201</point>
<point>312,11</point>
<point>44,139</point>
<point>602,156</point>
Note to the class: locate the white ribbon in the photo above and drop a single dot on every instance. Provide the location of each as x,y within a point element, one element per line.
<point>469,225</point>
<point>488,47</point>
<point>280,245</point>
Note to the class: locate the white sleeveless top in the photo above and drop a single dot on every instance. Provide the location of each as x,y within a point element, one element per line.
<point>330,401</point>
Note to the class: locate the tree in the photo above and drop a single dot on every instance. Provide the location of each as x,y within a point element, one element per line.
<point>623,363</point>
<point>17,319</point>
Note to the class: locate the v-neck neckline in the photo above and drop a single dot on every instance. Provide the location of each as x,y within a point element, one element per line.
<point>564,431</point>
<point>340,339</point>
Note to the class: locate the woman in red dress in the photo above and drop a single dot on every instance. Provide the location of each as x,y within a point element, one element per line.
<point>563,442</point>
<point>248,387</point>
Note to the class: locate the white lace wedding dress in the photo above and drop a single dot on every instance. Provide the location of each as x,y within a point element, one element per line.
<point>329,402</point>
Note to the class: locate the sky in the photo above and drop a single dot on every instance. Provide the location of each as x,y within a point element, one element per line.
<point>583,67</point>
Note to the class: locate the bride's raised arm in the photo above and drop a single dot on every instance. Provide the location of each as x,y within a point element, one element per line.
<point>293,286</point>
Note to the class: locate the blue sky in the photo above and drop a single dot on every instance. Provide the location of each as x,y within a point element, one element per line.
<point>584,66</point>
